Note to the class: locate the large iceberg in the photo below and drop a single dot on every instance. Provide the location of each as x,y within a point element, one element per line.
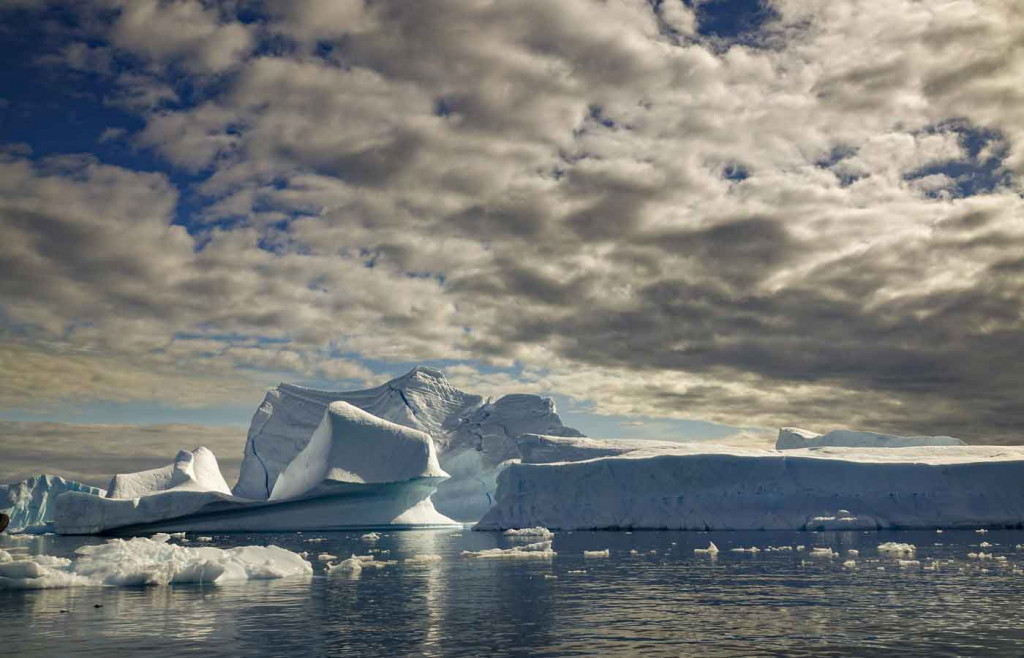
<point>355,471</point>
<point>793,437</point>
<point>32,502</point>
<point>704,487</point>
<point>475,438</point>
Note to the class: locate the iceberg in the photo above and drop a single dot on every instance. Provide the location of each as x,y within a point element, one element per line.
<point>151,561</point>
<point>704,487</point>
<point>32,502</point>
<point>791,438</point>
<point>356,471</point>
<point>195,470</point>
<point>475,439</point>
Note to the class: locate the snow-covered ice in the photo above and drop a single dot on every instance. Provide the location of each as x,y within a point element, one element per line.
<point>701,487</point>
<point>791,438</point>
<point>474,438</point>
<point>151,561</point>
<point>896,548</point>
<point>356,471</point>
<point>601,553</point>
<point>191,470</point>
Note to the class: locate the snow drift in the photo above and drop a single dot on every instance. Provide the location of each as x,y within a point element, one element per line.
<point>32,502</point>
<point>696,486</point>
<point>793,437</point>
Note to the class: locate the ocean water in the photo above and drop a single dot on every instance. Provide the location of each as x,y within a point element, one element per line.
<point>663,601</point>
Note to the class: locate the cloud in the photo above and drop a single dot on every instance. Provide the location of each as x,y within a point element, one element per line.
<point>815,221</point>
<point>94,453</point>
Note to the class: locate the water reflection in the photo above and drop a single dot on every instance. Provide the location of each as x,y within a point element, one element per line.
<point>662,600</point>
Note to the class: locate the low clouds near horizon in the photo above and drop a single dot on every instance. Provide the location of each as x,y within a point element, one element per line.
<point>808,214</point>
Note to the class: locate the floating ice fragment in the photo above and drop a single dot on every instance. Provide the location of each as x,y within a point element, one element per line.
<point>752,549</point>
<point>710,550</point>
<point>850,564</point>
<point>539,550</point>
<point>529,532</point>
<point>604,553</point>
<point>853,552</point>
<point>896,548</point>
<point>326,557</point>
<point>370,536</point>
<point>153,561</point>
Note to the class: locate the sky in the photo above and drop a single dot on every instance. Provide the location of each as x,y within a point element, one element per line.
<point>680,219</point>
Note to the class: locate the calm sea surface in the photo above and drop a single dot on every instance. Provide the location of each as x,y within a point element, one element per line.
<point>663,601</point>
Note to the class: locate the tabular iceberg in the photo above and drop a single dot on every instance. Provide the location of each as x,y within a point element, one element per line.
<point>696,486</point>
<point>794,437</point>
<point>32,502</point>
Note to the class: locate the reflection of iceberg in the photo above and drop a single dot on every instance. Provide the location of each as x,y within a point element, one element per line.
<point>357,470</point>
<point>699,486</point>
<point>32,502</point>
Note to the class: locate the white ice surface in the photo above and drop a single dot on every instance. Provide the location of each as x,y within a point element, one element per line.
<point>793,438</point>
<point>539,550</point>
<point>698,486</point>
<point>354,446</point>
<point>474,438</point>
<point>32,502</point>
<point>141,561</point>
<point>195,470</point>
<point>358,472</point>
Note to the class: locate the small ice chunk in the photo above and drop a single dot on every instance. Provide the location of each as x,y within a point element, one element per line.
<point>352,566</point>
<point>896,548</point>
<point>604,553</point>
<point>985,544</point>
<point>740,549</point>
<point>981,531</point>
<point>204,539</point>
<point>577,571</point>
<point>850,564</point>
<point>538,550</point>
<point>326,557</point>
<point>529,532</point>
<point>710,550</point>
<point>823,551</point>
<point>549,576</point>
<point>370,536</point>
<point>853,552</point>
<point>906,564</point>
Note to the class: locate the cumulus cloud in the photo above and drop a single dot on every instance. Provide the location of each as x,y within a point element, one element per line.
<point>816,222</point>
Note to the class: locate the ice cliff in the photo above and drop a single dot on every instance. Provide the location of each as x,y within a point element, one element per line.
<point>31,502</point>
<point>701,487</point>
